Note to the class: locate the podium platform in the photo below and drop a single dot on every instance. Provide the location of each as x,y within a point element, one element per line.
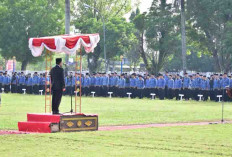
<point>48,123</point>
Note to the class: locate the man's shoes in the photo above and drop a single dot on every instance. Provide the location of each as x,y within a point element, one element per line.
<point>56,113</point>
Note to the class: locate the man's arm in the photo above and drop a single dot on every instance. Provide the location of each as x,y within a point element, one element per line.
<point>62,79</point>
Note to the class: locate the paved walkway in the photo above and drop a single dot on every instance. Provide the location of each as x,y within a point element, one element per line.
<point>127,127</point>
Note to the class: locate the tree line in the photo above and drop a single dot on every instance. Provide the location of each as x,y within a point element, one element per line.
<point>153,38</point>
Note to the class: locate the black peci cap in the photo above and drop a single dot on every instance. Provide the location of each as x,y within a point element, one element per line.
<point>58,60</point>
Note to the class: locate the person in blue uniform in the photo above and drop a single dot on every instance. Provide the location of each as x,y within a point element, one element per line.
<point>35,83</point>
<point>186,84</point>
<point>1,79</point>
<point>147,86</point>
<point>197,83</point>
<point>92,83</point>
<point>86,85</point>
<point>133,85</point>
<point>68,84</point>
<point>177,86</point>
<point>170,87</point>
<point>115,84</point>
<point>140,86</point>
<point>121,86</point>
<point>41,81</point>
<point>225,83</point>
<point>5,83</point>
<point>166,78</point>
<point>14,83</point>
<point>152,84</point>
<point>105,85</point>
<point>211,93</point>
<point>21,84</point>
<point>205,88</point>
<point>127,86</point>
<point>98,84</point>
<point>161,86</point>
<point>28,82</point>
<point>110,82</point>
<point>216,86</point>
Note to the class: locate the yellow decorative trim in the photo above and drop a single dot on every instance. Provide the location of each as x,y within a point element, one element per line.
<point>76,129</point>
<point>78,119</point>
<point>70,124</point>
<point>88,123</point>
<point>79,123</point>
<point>87,118</point>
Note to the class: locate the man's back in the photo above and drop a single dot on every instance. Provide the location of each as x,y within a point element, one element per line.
<point>57,78</point>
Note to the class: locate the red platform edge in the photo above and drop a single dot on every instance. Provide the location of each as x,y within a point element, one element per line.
<point>41,123</point>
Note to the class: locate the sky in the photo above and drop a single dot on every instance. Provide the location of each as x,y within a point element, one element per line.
<point>144,6</point>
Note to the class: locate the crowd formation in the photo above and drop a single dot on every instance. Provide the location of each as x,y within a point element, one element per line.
<point>166,85</point>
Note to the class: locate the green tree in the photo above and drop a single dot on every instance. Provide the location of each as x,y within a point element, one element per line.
<point>119,33</point>
<point>160,29</point>
<point>22,19</point>
<point>119,39</point>
<point>211,24</point>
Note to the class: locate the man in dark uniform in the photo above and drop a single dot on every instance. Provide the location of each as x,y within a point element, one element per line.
<point>58,85</point>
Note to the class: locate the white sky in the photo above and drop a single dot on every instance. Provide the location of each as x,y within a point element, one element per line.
<point>144,5</point>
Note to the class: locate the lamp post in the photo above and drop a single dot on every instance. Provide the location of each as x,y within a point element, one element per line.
<point>121,58</point>
<point>104,32</point>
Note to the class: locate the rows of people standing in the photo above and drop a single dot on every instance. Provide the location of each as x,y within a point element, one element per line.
<point>166,85</point>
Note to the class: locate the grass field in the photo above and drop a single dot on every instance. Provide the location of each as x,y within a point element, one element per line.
<point>209,140</point>
<point>192,141</point>
<point>116,111</point>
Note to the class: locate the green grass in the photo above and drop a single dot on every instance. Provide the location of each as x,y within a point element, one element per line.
<point>115,111</point>
<point>211,140</point>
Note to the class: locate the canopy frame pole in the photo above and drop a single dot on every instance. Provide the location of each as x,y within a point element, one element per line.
<point>76,68</point>
<point>80,77</point>
<point>47,90</point>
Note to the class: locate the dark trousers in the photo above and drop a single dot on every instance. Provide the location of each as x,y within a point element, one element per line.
<point>36,89</point>
<point>186,93</point>
<point>13,88</point>
<point>140,93</point>
<point>177,91</point>
<point>170,93</point>
<point>56,99</point>
<point>29,89</point>
<point>161,93</point>
<point>6,88</point>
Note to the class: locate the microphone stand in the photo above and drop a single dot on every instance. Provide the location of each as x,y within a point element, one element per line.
<point>71,95</point>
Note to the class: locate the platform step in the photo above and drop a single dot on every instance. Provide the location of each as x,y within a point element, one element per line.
<point>43,118</point>
<point>41,127</point>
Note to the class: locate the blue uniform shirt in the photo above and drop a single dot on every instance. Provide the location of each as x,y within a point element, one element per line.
<point>105,81</point>
<point>225,82</point>
<point>147,83</point>
<point>186,82</point>
<point>132,82</point>
<point>22,80</point>
<point>204,84</point>
<point>161,83</point>
<point>35,80</point>
<point>121,83</point>
<point>171,83</point>
<point>197,82</point>
<point>152,83</point>
<point>140,84</point>
<point>166,78</point>
<point>216,84</point>
<point>177,84</point>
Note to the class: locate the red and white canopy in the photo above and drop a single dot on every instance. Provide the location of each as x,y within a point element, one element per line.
<point>68,44</point>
